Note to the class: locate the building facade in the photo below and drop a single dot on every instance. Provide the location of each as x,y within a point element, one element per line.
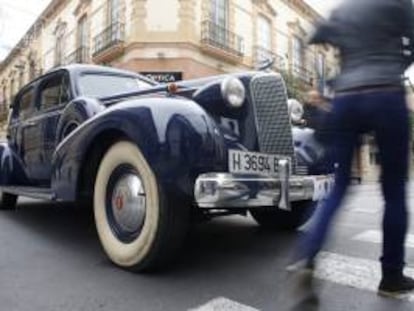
<point>169,40</point>
<point>172,40</point>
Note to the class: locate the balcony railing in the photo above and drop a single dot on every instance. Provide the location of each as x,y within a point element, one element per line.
<point>262,55</point>
<point>4,110</point>
<point>216,36</point>
<point>110,37</point>
<point>80,55</point>
<point>303,73</point>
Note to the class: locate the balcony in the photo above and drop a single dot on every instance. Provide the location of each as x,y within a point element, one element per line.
<point>220,41</point>
<point>262,55</point>
<point>110,43</point>
<point>80,55</point>
<point>4,111</point>
<point>302,73</point>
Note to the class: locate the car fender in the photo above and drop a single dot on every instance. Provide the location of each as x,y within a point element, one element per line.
<point>11,169</point>
<point>75,113</point>
<point>177,137</point>
<point>311,152</point>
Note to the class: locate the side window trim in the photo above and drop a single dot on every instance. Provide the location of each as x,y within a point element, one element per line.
<point>64,76</point>
<point>16,115</point>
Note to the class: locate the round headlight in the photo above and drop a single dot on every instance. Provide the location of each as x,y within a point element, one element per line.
<point>295,110</point>
<point>233,91</point>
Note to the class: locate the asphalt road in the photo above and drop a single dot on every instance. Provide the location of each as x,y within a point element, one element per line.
<point>50,259</point>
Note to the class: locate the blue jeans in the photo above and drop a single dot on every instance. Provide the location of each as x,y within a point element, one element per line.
<point>385,114</point>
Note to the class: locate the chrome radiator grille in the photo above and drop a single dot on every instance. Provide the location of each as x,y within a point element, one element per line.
<point>269,99</point>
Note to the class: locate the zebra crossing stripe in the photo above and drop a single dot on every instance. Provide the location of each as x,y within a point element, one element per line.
<point>353,272</point>
<point>359,273</point>
<point>223,304</point>
<point>375,236</point>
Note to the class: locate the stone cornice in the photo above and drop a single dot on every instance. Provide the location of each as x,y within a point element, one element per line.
<point>305,9</point>
<point>297,28</point>
<point>81,6</point>
<point>266,5</point>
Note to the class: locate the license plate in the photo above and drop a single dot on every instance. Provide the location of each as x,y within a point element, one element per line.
<point>323,185</point>
<point>243,162</point>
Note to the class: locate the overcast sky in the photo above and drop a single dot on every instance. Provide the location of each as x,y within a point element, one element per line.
<point>16,17</point>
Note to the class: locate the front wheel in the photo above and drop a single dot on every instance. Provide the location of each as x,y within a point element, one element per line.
<point>137,227</point>
<point>277,219</point>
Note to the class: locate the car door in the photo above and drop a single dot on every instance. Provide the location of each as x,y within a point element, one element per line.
<point>53,93</point>
<point>22,135</point>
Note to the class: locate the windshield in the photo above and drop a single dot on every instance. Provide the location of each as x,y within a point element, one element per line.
<point>103,85</point>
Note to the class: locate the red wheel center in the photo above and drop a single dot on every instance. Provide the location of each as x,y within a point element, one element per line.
<point>119,202</point>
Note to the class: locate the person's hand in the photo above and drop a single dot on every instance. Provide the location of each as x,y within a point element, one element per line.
<point>301,122</point>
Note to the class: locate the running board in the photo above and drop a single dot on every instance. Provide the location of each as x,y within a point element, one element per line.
<point>32,192</point>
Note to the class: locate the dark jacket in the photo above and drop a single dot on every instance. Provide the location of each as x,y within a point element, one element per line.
<point>375,39</point>
<point>318,119</point>
<point>314,117</point>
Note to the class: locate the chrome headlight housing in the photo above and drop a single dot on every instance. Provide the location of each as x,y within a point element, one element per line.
<point>233,91</point>
<point>295,110</point>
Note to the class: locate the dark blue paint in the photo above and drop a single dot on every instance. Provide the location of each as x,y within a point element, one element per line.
<point>179,137</point>
<point>176,136</point>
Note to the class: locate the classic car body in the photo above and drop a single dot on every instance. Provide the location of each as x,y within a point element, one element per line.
<point>149,156</point>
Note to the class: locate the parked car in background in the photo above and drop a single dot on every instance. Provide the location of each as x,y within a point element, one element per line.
<point>150,156</point>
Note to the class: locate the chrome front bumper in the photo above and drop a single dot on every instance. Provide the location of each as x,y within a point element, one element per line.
<point>226,190</point>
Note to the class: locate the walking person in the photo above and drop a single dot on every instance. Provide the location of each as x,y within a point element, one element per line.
<point>374,38</point>
<point>316,110</point>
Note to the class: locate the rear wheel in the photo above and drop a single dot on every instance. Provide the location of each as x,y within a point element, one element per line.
<point>8,201</point>
<point>137,227</point>
<point>277,219</point>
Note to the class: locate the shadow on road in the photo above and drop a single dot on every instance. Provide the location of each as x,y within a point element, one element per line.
<point>217,245</point>
<point>52,250</point>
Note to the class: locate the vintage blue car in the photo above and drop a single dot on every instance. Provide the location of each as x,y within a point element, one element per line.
<point>152,157</point>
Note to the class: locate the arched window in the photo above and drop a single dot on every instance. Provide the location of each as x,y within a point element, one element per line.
<point>114,11</point>
<point>220,12</point>
<point>264,33</point>
<point>219,20</point>
<point>59,43</point>
<point>263,39</point>
<point>21,77</point>
<point>32,70</point>
<point>11,90</point>
<point>3,98</point>
<point>297,55</point>
<point>114,20</point>
<point>82,54</point>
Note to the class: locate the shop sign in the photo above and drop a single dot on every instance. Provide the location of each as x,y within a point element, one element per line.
<point>163,77</point>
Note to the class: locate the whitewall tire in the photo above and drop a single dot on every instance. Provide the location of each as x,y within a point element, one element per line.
<point>133,220</point>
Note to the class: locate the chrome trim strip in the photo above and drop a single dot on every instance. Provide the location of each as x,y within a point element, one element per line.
<point>284,175</point>
<point>225,190</point>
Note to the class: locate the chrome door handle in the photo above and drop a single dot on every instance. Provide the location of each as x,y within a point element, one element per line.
<point>31,123</point>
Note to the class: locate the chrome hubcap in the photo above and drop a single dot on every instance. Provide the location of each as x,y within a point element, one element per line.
<point>128,203</point>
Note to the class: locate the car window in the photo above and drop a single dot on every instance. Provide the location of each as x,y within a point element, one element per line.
<point>102,85</point>
<point>23,106</point>
<point>54,91</point>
